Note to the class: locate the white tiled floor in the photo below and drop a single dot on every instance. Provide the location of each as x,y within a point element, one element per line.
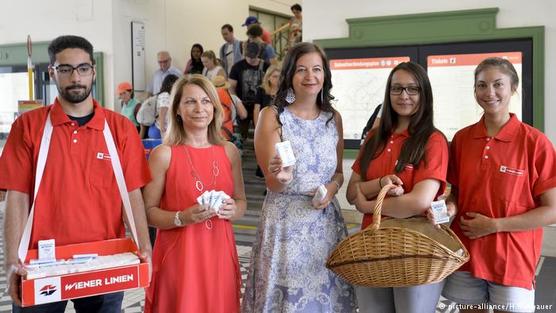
<point>134,299</point>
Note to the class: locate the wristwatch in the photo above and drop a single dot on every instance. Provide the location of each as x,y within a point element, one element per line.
<point>177,220</point>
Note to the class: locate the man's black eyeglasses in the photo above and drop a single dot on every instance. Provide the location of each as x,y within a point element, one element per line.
<point>84,69</point>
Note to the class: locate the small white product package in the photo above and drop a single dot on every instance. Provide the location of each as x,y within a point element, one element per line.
<point>200,200</point>
<point>285,151</point>
<point>47,250</point>
<point>205,199</point>
<point>212,199</point>
<point>320,194</point>
<point>221,197</point>
<point>440,212</point>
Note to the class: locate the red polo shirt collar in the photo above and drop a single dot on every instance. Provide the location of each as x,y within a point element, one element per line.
<point>59,117</point>
<point>403,134</point>
<point>506,134</point>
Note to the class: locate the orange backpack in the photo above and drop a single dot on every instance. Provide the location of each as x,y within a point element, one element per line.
<point>227,122</point>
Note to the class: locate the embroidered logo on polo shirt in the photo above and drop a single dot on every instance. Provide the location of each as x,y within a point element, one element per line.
<point>511,171</point>
<point>103,156</point>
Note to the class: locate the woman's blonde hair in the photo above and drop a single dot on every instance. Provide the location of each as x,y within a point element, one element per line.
<point>176,133</point>
<point>266,79</point>
<point>211,56</point>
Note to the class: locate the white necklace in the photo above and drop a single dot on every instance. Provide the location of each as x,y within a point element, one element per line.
<point>199,185</point>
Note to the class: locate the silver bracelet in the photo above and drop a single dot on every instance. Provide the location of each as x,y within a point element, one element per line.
<point>337,184</point>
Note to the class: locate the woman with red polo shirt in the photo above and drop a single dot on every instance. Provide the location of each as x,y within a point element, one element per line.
<point>195,263</point>
<point>501,211</point>
<point>408,151</point>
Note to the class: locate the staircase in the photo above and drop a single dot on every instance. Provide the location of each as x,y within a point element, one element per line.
<point>245,228</point>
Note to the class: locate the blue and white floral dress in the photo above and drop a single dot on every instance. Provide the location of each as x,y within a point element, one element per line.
<point>294,240</point>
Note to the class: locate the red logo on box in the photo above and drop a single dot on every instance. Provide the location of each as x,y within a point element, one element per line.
<point>48,290</point>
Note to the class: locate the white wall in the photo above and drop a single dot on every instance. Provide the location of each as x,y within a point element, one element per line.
<point>326,19</point>
<point>172,25</point>
<point>175,25</point>
<point>45,20</point>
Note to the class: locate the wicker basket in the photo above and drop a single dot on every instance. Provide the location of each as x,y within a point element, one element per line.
<point>398,253</point>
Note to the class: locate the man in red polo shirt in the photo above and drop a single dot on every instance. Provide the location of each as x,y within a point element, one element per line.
<point>78,199</point>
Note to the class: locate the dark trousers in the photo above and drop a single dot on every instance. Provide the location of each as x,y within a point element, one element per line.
<point>243,125</point>
<point>109,303</point>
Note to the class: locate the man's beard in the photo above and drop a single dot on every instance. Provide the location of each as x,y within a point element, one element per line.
<point>69,94</point>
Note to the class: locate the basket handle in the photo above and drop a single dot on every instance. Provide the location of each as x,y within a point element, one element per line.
<point>377,211</point>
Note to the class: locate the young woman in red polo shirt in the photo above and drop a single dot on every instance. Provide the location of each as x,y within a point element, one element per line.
<point>408,151</point>
<point>503,176</point>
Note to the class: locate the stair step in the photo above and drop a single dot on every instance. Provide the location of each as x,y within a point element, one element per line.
<point>247,221</point>
<point>245,228</point>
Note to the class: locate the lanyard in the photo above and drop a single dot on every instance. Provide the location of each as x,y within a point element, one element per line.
<point>43,155</point>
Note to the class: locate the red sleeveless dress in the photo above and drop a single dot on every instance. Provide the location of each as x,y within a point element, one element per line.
<point>195,268</point>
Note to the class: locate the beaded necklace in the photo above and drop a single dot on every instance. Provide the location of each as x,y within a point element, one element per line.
<point>199,185</point>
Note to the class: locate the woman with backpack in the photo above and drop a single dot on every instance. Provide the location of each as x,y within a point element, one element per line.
<point>232,106</point>
<point>153,111</point>
<point>163,103</point>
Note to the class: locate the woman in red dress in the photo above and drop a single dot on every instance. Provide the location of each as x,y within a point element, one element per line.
<point>195,264</point>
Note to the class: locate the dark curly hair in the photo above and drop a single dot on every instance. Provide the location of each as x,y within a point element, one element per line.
<point>68,42</point>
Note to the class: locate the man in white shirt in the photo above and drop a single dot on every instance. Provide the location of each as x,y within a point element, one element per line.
<point>230,52</point>
<point>166,68</point>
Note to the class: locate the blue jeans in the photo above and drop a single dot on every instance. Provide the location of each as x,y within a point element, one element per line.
<point>415,299</point>
<point>109,303</point>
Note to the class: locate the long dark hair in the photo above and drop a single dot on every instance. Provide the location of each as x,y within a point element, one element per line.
<point>420,126</point>
<point>168,83</point>
<point>288,71</point>
<point>198,46</point>
<point>195,65</point>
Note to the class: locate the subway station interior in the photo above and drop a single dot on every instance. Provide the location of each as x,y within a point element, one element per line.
<point>362,40</point>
